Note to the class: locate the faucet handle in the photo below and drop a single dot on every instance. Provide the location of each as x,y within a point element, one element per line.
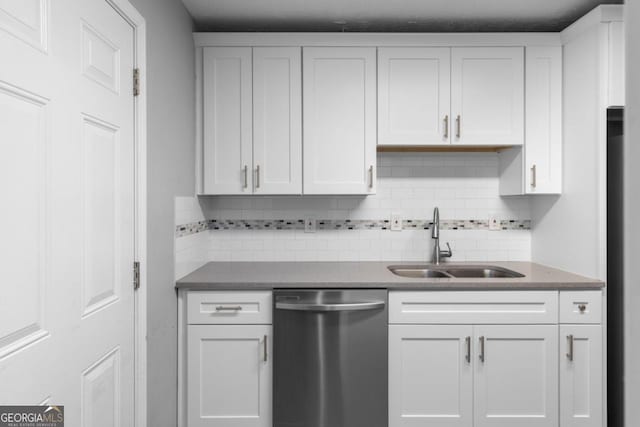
<point>448,253</point>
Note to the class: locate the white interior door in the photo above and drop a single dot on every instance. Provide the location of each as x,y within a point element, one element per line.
<point>487,95</point>
<point>430,376</point>
<point>339,110</point>
<point>516,381</point>
<point>67,172</point>
<point>227,104</point>
<point>581,379</point>
<point>414,93</point>
<point>229,376</point>
<point>277,120</point>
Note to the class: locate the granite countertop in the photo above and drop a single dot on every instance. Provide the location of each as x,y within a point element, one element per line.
<point>271,275</point>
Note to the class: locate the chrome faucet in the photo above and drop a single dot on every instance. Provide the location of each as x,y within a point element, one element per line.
<point>435,234</point>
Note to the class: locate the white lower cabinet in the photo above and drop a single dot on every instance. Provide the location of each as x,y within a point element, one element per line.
<point>516,376</point>
<point>229,375</point>
<point>430,376</point>
<point>581,379</point>
<point>513,364</point>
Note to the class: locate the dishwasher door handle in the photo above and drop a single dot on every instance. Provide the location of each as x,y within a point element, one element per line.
<point>352,306</point>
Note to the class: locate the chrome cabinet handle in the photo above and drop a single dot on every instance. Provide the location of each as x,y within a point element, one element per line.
<point>482,349</point>
<point>570,353</point>
<point>246,176</point>
<point>266,346</point>
<point>446,127</point>
<point>467,342</point>
<point>582,308</point>
<point>228,308</point>
<point>257,176</point>
<point>533,176</point>
<point>458,126</point>
<point>371,176</point>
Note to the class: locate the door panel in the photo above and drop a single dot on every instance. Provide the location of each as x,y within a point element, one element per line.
<point>339,87</point>
<point>277,120</point>
<point>414,92</point>
<point>228,127</point>
<point>430,378</point>
<point>581,379</point>
<point>229,376</point>
<point>487,95</point>
<point>67,126</point>
<point>516,382</point>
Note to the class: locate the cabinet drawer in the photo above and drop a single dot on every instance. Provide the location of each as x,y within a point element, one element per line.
<point>219,307</point>
<point>493,307</point>
<point>581,307</point>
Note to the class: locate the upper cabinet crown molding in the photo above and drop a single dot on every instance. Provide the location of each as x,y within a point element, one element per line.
<point>377,39</point>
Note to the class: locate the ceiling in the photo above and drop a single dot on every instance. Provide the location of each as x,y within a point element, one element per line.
<point>388,15</point>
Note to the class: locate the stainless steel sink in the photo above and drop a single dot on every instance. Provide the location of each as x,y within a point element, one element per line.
<point>417,271</point>
<point>482,271</point>
<point>453,271</point>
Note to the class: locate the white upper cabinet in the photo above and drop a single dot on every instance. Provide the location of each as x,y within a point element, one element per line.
<point>339,104</point>
<point>543,150</point>
<point>414,96</point>
<point>227,127</point>
<point>536,168</point>
<point>487,95</point>
<point>277,120</point>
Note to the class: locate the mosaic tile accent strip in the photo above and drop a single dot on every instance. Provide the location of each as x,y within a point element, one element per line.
<point>343,224</point>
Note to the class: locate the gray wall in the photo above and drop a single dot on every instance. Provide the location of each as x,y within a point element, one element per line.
<point>632,215</point>
<point>171,160</point>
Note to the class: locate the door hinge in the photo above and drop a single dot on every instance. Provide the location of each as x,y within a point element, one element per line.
<point>136,275</point>
<point>136,81</point>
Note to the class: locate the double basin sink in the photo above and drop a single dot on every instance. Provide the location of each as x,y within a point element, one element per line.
<point>433,271</point>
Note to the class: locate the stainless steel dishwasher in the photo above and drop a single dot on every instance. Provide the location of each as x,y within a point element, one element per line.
<point>330,358</point>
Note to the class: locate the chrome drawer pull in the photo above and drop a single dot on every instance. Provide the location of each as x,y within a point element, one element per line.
<point>228,308</point>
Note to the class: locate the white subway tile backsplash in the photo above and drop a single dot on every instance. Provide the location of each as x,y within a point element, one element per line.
<point>463,185</point>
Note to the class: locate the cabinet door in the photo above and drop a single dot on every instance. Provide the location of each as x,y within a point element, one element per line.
<point>581,376</point>
<point>543,146</point>
<point>277,120</point>
<point>430,376</point>
<point>414,92</point>
<point>339,104</point>
<point>229,376</point>
<point>516,382</point>
<point>487,95</point>
<point>227,122</point>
